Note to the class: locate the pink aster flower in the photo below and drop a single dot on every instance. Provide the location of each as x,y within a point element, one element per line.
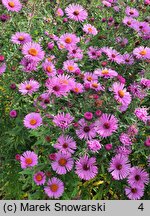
<point>124,150</point>
<point>89,29</point>
<point>63,120</point>
<point>28,159</point>
<point>2,68</point>
<point>49,68</point>
<point>128,59</point>
<point>96,86</point>
<point>63,163</point>
<point>21,38</point>
<point>76,12</point>
<point>54,188</point>
<point>12,5</point>
<point>65,144</point>
<point>114,56</point>
<point>94,52</point>
<point>129,21</point>
<point>32,120</point>
<point>59,12</point>
<point>138,177</point>
<point>75,53</point>
<point>86,168</point>
<point>28,65</point>
<point>94,145</point>
<point>13,113</point>
<point>68,40</point>
<point>132,12</point>
<point>145,83</point>
<point>142,52</point>
<point>106,73</point>
<point>39,178</point>
<point>119,167</point>
<point>77,88</point>
<point>33,51</point>
<point>106,125</point>
<point>29,87</point>
<point>55,87</point>
<point>132,130</point>
<point>85,131</point>
<point>134,193</point>
<point>125,139</point>
<point>70,66</point>
<point>141,114</point>
<point>89,77</point>
<point>121,95</point>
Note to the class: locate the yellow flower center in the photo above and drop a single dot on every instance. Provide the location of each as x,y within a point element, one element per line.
<point>54,187</point>
<point>28,161</point>
<point>11,4</point>
<point>39,177</point>
<point>105,72</point>
<point>89,78</point>
<point>143,52</point>
<point>68,40</point>
<point>70,68</point>
<point>33,52</point>
<point>28,87</point>
<point>121,93</point>
<point>33,121</point>
<point>62,162</point>
<point>95,85</point>
<point>21,38</point>
<point>49,69</point>
<point>90,29</point>
<point>76,89</point>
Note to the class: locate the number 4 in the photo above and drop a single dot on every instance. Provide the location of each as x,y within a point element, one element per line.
<point>141,207</point>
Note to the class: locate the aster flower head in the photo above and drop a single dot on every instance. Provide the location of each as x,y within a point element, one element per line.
<point>138,177</point>
<point>94,145</point>
<point>95,85</point>
<point>29,87</point>
<point>65,144</point>
<point>55,87</point>
<point>89,77</point>
<point>106,125</point>
<point>49,68</point>
<point>32,120</point>
<point>85,131</point>
<point>75,53</point>
<point>119,167</point>
<point>114,56</point>
<point>12,5</point>
<point>63,120</point>
<point>134,193</point>
<point>121,95</point>
<point>124,150</point>
<point>28,159</point>
<point>106,73</point>
<point>89,29</point>
<point>76,12</point>
<point>86,168</point>
<point>129,21</point>
<point>147,142</point>
<point>68,39</point>
<point>54,188</point>
<point>39,178</point>
<point>77,88</point>
<point>94,52</point>
<point>132,12</point>
<point>128,59</point>
<point>125,139</point>
<point>28,65</point>
<point>21,38</point>
<point>59,12</point>
<point>63,163</point>
<point>142,52</point>
<point>70,66</point>
<point>33,51</point>
<point>145,83</point>
<point>141,114</point>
